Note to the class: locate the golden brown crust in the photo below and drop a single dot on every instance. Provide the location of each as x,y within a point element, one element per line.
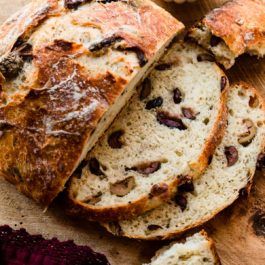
<point>24,21</point>
<point>241,24</point>
<point>150,31</point>
<point>47,130</point>
<point>46,124</point>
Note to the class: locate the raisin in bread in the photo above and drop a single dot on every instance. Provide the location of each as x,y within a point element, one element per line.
<point>235,28</point>
<point>164,135</point>
<point>66,69</point>
<point>230,173</point>
<point>197,249</point>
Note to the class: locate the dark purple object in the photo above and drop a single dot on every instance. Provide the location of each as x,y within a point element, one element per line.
<point>17,247</point>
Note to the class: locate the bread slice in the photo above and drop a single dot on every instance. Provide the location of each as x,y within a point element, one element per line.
<point>164,136</point>
<point>197,249</point>
<point>229,174</point>
<point>66,70</point>
<point>233,29</point>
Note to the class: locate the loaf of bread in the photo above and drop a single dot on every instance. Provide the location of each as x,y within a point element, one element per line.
<point>197,249</point>
<point>230,174</point>
<point>233,29</point>
<point>163,137</point>
<point>67,67</point>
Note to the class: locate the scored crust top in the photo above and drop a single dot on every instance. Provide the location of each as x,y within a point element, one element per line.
<point>62,66</point>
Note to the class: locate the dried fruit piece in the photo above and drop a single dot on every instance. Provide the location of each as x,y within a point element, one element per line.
<point>210,159</point>
<point>105,43</point>
<point>146,89</point>
<point>11,65</point>
<point>64,45</point>
<point>94,167</point>
<point>231,154</point>
<point>188,113</point>
<point>223,82</point>
<point>122,188</point>
<point>214,41</point>
<point>159,189</point>
<point>147,168</point>
<point>114,140</point>
<point>140,55</point>
<point>181,201</point>
<point>74,4</point>
<point>171,122</point>
<point>205,57</point>
<point>253,101</point>
<point>187,186</point>
<point>154,227</point>
<point>246,138</point>
<point>154,103</point>
<point>261,161</point>
<point>163,67</point>
<point>177,97</point>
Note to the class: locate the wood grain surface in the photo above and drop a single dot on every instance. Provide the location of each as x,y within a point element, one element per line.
<point>239,231</point>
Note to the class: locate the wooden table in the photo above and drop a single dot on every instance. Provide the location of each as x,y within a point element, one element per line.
<point>239,231</point>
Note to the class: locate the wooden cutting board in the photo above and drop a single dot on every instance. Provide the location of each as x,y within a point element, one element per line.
<point>239,231</point>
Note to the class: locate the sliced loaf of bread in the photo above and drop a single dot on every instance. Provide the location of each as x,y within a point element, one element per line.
<point>67,68</point>
<point>198,249</point>
<point>229,174</point>
<point>163,137</point>
<point>233,29</point>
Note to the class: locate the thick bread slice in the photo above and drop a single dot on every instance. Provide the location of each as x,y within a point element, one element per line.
<point>164,136</point>
<point>197,249</point>
<point>66,70</point>
<point>235,28</point>
<point>224,180</point>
